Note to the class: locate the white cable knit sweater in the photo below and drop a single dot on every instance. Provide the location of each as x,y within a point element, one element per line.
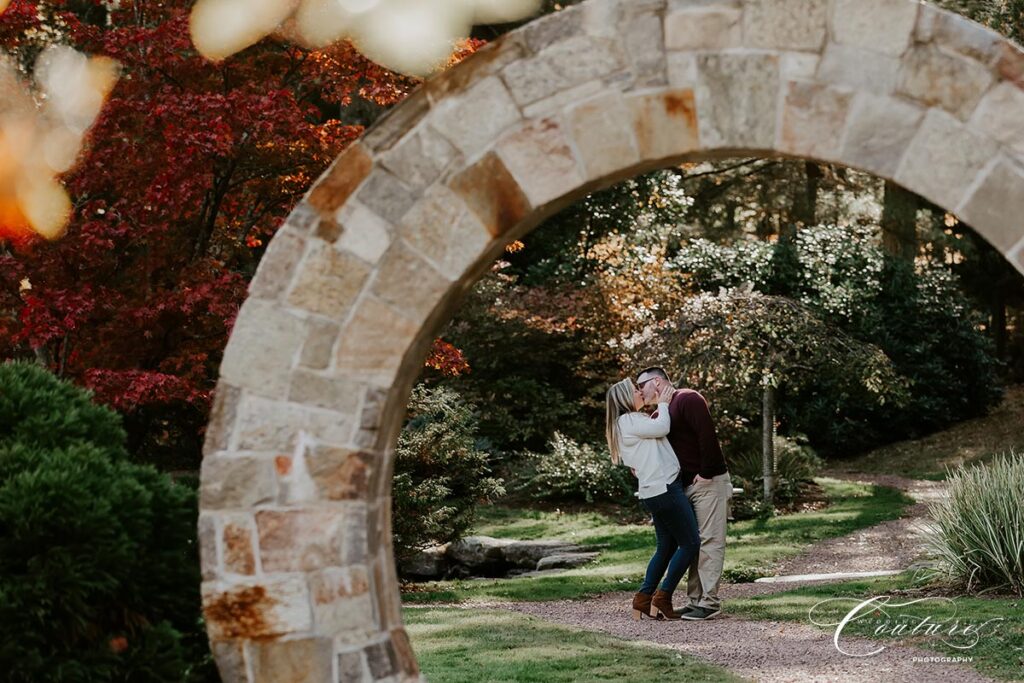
<point>643,446</point>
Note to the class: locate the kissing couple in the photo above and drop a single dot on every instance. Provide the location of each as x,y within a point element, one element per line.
<point>682,481</point>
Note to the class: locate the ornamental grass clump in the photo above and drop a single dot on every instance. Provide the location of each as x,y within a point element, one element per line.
<point>978,535</point>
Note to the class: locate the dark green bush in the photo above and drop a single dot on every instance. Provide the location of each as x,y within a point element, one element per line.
<point>99,575</point>
<point>38,408</point>
<point>796,464</point>
<point>441,472</point>
<point>572,472</point>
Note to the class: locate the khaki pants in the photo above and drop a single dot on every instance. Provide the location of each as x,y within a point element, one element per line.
<point>710,504</point>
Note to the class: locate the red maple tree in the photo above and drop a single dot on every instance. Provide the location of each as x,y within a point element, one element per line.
<point>185,176</point>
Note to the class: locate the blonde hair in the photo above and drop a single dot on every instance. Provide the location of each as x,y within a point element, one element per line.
<point>619,401</point>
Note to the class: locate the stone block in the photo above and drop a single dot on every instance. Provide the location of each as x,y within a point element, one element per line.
<point>860,69</point>
<point>737,99</point>
<point>813,120</point>
<point>236,542</point>
<point>278,264</point>
<point>374,340</point>
<point>259,352</point>
<point>276,426</point>
<point>642,34</point>
<point>996,207</point>
<point>682,69</point>
<point>562,66</point>
<point>799,66</point>
<point>341,602</point>
<point>1010,63</point>
<point>785,25</point>
<point>236,482</point>
<point>715,26</point>
<point>440,229</point>
<point>338,183</point>
<point>938,79</point>
<point>257,608</point>
<point>408,283</point>
<point>943,159</point>
<point>953,33</point>
<point>391,126</point>
<point>299,540</point>
<point>207,533</point>
<point>223,413</point>
<point>601,128</point>
<point>665,123</point>
<point>355,549</point>
<point>404,653</point>
<point>305,660</point>
<point>1000,115</point>
<point>352,667</point>
<point>334,393</point>
<point>382,659</point>
<point>363,232</point>
<point>320,338</point>
<point>387,196</point>
<point>884,26</point>
<point>471,121</point>
<point>878,132</point>
<point>419,158</point>
<point>328,282</point>
<point>492,194</point>
<point>340,473</point>
<point>230,658</point>
<point>539,157</point>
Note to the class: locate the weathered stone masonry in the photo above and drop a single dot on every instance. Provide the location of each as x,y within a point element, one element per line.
<point>298,580</point>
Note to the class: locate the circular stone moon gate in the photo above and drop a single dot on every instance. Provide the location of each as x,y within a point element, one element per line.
<point>298,578</point>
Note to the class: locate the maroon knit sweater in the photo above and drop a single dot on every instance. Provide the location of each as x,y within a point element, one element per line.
<point>693,437</point>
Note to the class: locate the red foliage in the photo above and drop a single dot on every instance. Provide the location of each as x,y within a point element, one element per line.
<point>447,359</point>
<point>185,177</point>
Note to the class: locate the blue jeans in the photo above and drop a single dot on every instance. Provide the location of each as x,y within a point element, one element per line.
<point>678,541</point>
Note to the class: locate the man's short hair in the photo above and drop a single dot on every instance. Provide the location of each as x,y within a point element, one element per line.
<point>656,371</point>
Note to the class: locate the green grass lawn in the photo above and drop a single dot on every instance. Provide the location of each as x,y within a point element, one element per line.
<point>999,652</point>
<point>465,645</point>
<point>752,545</point>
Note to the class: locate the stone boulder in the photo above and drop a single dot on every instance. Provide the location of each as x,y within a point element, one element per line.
<point>565,560</point>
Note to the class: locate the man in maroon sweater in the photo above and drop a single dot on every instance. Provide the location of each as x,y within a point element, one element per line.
<point>706,482</point>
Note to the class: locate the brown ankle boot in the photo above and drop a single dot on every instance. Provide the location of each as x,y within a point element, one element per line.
<point>642,607</point>
<point>661,603</point>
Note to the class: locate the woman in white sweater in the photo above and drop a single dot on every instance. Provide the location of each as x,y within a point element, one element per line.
<point>638,441</point>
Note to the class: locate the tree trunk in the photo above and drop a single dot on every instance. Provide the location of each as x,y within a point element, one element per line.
<point>899,221</point>
<point>805,207</point>
<point>768,443</point>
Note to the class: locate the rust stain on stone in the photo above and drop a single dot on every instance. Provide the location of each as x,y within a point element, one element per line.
<point>1011,64</point>
<point>492,194</point>
<point>680,105</point>
<point>328,230</point>
<point>238,553</point>
<point>241,613</point>
<point>283,465</point>
<point>342,180</point>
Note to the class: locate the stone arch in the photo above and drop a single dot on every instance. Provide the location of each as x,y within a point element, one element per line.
<point>298,578</point>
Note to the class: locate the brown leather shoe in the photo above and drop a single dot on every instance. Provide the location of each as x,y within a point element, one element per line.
<point>662,604</point>
<point>642,607</point>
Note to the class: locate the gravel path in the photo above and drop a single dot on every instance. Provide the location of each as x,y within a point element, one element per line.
<point>896,544</point>
<point>765,651</point>
<point>783,652</point>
